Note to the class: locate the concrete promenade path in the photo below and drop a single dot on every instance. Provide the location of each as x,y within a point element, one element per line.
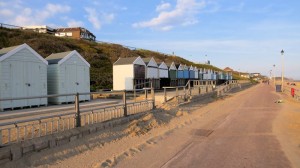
<point>251,130</point>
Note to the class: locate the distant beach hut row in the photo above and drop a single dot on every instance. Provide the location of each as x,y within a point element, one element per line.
<point>134,72</point>
<point>24,73</point>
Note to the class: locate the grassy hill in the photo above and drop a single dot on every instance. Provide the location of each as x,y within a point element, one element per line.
<point>101,56</point>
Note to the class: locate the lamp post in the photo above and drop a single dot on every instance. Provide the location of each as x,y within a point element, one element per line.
<point>274,75</point>
<point>282,70</point>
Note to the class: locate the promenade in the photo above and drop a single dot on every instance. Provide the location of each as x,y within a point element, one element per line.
<point>243,129</point>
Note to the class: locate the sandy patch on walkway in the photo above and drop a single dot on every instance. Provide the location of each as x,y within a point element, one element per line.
<point>287,129</point>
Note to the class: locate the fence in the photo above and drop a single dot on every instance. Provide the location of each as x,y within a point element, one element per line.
<point>21,130</point>
<point>183,93</point>
<point>8,26</point>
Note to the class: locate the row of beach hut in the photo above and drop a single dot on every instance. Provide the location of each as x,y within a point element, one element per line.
<point>24,73</point>
<point>134,72</point>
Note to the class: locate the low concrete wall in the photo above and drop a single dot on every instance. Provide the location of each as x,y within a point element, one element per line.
<point>16,151</point>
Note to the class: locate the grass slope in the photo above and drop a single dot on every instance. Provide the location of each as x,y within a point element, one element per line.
<point>101,56</point>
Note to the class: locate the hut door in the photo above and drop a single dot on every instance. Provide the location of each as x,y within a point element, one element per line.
<point>31,71</point>
<point>80,80</point>
<point>71,81</point>
<point>18,83</point>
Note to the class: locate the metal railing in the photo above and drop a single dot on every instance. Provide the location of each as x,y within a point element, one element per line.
<point>183,93</point>
<point>21,130</point>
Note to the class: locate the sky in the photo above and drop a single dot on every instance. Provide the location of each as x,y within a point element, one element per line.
<point>246,35</point>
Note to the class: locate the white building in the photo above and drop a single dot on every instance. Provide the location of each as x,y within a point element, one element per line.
<point>151,68</point>
<point>127,72</point>
<point>40,29</point>
<point>23,73</point>
<point>68,73</point>
<point>163,71</point>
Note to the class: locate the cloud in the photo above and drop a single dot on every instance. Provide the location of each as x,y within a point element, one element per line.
<point>19,14</point>
<point>163,6</point>
<point>74,23</point>
<point>97,19</point>
<point>6,13</point>
<point>93,17</point>
<point>185,13</point>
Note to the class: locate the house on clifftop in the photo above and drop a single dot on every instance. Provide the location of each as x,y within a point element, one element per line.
<point>76,33</point>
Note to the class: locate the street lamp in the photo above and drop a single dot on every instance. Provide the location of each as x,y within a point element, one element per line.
<point>274,75</point>
<point>282,70</point>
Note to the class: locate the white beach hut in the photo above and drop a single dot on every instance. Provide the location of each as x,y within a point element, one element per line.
<point>151,68</point>
<point>68,73</point>
<point>163,70</point>
<point>23,73</point>
<point>127,72</point>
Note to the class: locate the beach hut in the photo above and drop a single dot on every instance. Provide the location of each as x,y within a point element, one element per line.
<point>180,75</point>
<point>68,73</point>
<point>152,72</point>
<point>23,73</point>
<point>163,74</point>
<point>214,75</point>
<point>186,72</point>
<point>230,76</point>
<point>172,74</point>
<point>163,70</point>
<point>129,72</point>
<point>196,73</point>
<point>191,73</point>
<point>151,68</point>
<point>201,74</point>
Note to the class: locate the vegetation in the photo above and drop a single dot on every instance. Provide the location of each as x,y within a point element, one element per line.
<point>101,56</point>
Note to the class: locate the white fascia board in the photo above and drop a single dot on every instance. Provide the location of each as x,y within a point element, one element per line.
<point>152,63</point>
<point>70,55</point>
<point>139,61</point>
<point>23,46</point>
<point>163,65</point>
<point>173,66</point>
<point>180,67</point>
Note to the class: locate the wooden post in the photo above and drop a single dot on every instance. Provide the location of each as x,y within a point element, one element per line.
<point>1,143</point>
<point>190,91</point>
<point>146,94</point>
<point>184,93</point>
<point>165,95</point>
<point>134,92</point>
<point>125,104</point>
<point>77,110</point>
<point>152,96</point>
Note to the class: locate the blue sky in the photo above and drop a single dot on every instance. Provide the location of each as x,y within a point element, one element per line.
<point>246,35</point>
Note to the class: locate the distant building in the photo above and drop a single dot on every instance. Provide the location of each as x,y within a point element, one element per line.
<point>227,69</point>
<point>255,75</point>
<point>40,29</point>
<point>245,75</point>
<point>76,33</point>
